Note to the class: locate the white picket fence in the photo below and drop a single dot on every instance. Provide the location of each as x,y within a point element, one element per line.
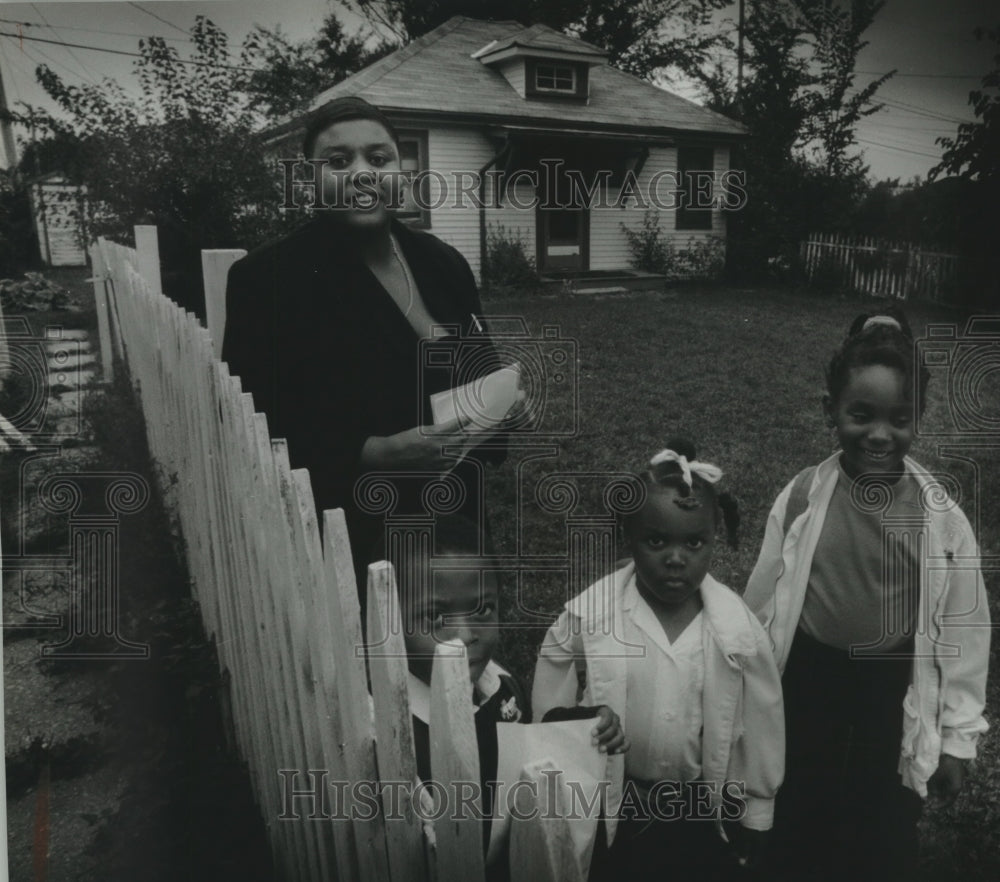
<point>881,268</point>
<point>282,607</point>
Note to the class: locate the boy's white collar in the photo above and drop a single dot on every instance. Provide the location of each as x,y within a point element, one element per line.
<point>487,686</point>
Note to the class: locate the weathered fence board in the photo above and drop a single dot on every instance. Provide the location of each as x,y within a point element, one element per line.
<point>215,264</point>
<point>344,618</point>
<point>393,727</point>
<point>454,758</point>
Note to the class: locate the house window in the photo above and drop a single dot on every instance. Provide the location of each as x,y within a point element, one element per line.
<point>555,78</point>
<point>695,167</point>
<point>412,160</point>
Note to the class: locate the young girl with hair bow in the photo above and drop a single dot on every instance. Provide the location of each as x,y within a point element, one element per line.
<point>690,673</point>
<point>868,584</point>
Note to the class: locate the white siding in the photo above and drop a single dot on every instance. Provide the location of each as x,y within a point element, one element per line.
<point>608,245</point>
<point>513,71</point>
<point>456,154</point>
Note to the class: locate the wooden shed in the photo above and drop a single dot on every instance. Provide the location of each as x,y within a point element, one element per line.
<point>57,211</point>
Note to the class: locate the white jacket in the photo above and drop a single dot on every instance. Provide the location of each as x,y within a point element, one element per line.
<point>943,707</point>
<point>743,737</point>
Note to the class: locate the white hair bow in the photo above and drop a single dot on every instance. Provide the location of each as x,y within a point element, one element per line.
<point>704,470</point>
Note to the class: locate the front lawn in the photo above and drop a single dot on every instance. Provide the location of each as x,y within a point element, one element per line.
<point>740,372</point>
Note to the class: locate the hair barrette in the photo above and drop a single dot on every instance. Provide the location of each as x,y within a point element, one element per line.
<point>886,320</point>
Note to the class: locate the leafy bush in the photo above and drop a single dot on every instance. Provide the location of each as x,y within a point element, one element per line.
<point>704,258</point>
<point>34,293</point>
<point>508,265</point>
<point>651,253</point>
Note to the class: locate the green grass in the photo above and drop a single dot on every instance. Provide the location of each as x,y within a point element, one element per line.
<point>740,372</point>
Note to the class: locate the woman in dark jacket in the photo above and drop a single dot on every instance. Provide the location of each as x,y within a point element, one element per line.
<point>329,329</point>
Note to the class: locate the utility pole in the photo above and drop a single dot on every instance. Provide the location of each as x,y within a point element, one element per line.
<point>9,146</point>
<point>739,58</point>
<point>43,243</point>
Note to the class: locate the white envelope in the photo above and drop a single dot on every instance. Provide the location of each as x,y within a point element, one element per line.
<point>566,747</point>
<point>483,403</point>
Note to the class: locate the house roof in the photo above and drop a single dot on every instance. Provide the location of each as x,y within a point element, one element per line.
<point>543,37</point>
<point>437,75</point>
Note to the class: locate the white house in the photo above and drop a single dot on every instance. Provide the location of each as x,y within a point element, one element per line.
<point>576,148</point>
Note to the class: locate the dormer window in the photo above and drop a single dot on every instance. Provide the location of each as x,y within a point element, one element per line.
<point>541,63</point>
<point>555,78</point>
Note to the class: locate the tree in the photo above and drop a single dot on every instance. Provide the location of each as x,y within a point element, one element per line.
<point>801,108</point>
<point>181,156</point>
<point>945,214</point>
<point>654,40</point>
<point>834,113</point>
<point>974,152</point>
<point>288,75</point>
<point>406,20</point>
<point>648,39</point>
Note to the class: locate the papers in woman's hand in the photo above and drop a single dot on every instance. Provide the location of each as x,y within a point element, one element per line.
<point>480,406</point>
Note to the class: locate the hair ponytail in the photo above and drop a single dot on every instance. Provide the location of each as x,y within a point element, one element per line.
<point>878,338</point>
<point>730,517</point>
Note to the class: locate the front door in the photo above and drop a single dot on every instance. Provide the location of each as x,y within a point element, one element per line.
<point>562,239</point>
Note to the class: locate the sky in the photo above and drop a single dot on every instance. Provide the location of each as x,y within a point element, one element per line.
<point>929,42</point>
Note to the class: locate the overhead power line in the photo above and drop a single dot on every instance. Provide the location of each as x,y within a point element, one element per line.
<point>899,149</point>
<point>88,74</point>
<point>913,110</point>
<point>158,18</point>
<point>37,24</point>
<point>918,129</point>
<point>124,52</point>
<point>929,76</point>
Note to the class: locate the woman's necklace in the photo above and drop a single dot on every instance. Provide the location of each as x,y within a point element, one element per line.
<point>406,275</point>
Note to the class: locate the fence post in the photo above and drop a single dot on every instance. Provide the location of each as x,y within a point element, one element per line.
<point>114,273</point>
<point>147,248</point>
<point>99,272</point>
<point>215,263</point>
<point>910,276</point>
